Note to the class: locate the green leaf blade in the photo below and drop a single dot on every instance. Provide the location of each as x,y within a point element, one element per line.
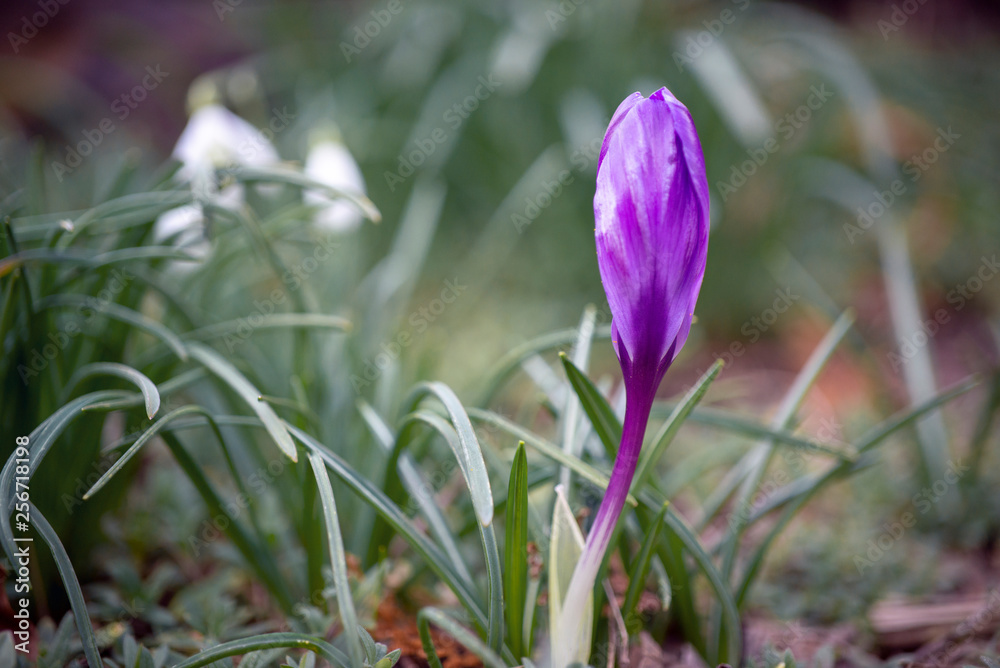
<point>516,550</point>
<point>238,382</point>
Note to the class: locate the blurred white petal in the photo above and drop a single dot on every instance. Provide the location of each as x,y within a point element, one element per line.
<point>216,137</point>
<point>330,163</point>
<point>230,197</point>
<point>185,226</point>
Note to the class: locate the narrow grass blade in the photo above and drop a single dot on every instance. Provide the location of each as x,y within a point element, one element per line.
<point>266,641</point>
<point>87,257</point>
<point>807,376</point>
<point>150,204</point>
<point>721,419</point>
<point>571,410</point>
<point>40,441</point>
<point>376,425</point>
<point>980,435</point>
<point>143,439</point>
<point>150,394</point>
<point>392,280</point>
<point>255,554</point>
<point>228,373</point>
<point>389,511</point>
<point>338,559</point>
<point>164,389</point>
<point>796,494</point>
<point>471,475</point>
<point>511,362</point>
<point>293,405</point>
<point>516,550</point>
<point>298,180</point>
<point>665,436</point>
<point>876,435</point>
<point>471,454</point>
<point>602,417</point>
<point>120,313</point>
<point>71,583</point>
<point>8,309</point>
<point>720,588</point>
<point>462,636</point>
<point>757,461</point>
<point>272,321</point>
<point>547,448</point>
<point>671,553</point>
<point>417,488</point>
<point>640,567</point>
<point>751,468</point>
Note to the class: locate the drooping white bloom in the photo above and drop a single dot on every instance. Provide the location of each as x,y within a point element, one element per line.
<point>216,137</point>
<point>184,225</point>
<point>330,163</point>
<point>213,138</point>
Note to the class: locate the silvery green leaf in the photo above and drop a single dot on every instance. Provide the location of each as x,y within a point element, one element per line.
<point>565,548</point>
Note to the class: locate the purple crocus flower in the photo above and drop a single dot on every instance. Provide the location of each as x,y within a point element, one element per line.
<point>651,209</point>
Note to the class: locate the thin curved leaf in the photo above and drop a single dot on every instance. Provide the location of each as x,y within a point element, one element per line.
<point>602,417</point>
<point>71,583</point>
<point>470,454</point>
<point>143,439</point>
<point>652,454</point>
<point>640,567</point>
<point>404,527</point>
<point>462,636</point>
<point>87,257</point>
<point>417,488</point>
<point>571,409</point>
<point>120,313</point>
<point>338,559</point>
<point>516,550</point>
<point>511,362</point>
<point>487,535</point>
<point>150,395</point>
<point>271,321</point>
<point>40,441</point>
<point>267,641</point>
<point>219,366</point>
<point>547,448</point>
<point>151,203</point>
<point>248,174</point>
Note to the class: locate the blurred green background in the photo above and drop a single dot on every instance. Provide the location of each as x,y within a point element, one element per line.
<point>561,68</point>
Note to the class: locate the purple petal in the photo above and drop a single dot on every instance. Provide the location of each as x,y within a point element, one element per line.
<point>620,113</point>
<point>651,210</point>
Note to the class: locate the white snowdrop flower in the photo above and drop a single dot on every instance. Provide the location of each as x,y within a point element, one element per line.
<point>330,163</point>
<point>183,223</point>
<point>213,138</point>
<point>216,137</point>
